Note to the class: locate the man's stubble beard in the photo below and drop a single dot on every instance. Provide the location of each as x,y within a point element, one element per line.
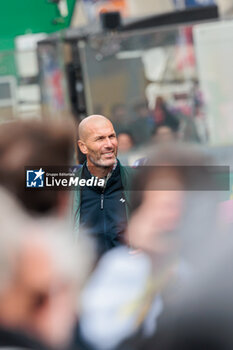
<point>101,165</point>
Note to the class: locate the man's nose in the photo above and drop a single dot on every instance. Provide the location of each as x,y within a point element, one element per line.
<point>108,143</point>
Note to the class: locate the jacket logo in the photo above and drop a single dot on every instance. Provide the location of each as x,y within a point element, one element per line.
<point>122,200</point>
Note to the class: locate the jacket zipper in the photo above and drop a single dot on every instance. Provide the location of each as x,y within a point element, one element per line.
<point>102,196</point>
<point>102,201</point>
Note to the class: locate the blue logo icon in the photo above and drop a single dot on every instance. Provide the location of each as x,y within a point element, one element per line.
<point>35,178</point>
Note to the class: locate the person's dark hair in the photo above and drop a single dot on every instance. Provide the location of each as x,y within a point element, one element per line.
<point>33,144</point>
<point>174,126</point>
<point>139,105</point>
<point>127,132</point>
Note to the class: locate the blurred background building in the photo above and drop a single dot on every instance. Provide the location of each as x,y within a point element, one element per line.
<point>73,58</point>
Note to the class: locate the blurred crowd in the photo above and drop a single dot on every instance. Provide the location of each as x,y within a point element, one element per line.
<point>139,125</point>
<point>166,287</point>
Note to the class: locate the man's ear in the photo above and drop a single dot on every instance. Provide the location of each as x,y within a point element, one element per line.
<point>82,146</point>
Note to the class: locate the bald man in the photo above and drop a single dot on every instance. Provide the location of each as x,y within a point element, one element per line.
<point>102,210</point>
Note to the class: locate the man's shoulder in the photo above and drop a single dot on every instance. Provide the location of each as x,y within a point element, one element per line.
<point>77,169</point>
<point>127,170</point>
<point>127,175</point>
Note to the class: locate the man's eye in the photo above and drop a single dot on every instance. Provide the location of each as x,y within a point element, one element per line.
<point>112,136</point>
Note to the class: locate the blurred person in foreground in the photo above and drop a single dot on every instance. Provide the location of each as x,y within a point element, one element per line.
<point>201,315</point>
<point>102,209</point>
<point>131,286</point>
<point>35,144</point>
<point>41,276</point>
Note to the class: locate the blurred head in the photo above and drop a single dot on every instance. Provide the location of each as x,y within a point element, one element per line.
<point>34,144</point>
<point>41,274</point>
<point>125,142</point>
<point>118,112</point>
<point>155,221</point>
<point>141,109</point>
<point>160,198</point>
<point>164,133</point>
<point>98,141</point>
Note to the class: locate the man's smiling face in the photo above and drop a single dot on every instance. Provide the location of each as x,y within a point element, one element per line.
<point>100,145</point>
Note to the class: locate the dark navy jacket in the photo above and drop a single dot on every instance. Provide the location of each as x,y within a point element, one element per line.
<point>113,221</point>
<point>103,210</point>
